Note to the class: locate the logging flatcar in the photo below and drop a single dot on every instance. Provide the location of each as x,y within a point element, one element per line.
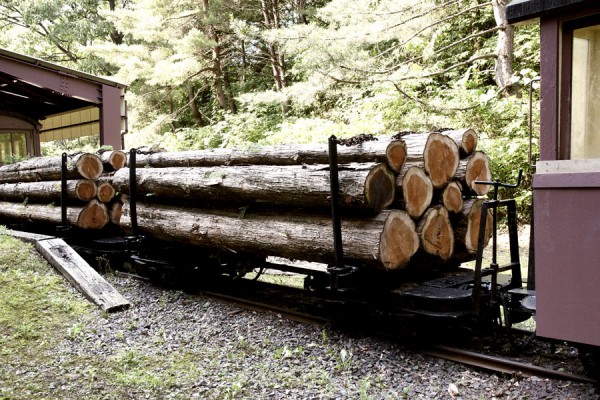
<point>566,229</point>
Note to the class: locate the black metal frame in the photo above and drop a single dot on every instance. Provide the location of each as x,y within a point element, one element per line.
<point>515,265</point>
<point>64,226</point>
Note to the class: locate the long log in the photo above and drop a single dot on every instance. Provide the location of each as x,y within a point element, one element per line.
<point>416,190</point>
<point>83,165</point>
<point>465,140</point>
<point>113,160</point>
<point>384,241</point>
<point>436,233</point>
<point>366,152</point>
<point>441,159</point>
<point>474,168</point>
<point>370,186</point>
<point>452,197</point>
<point>48,191</point>
<point>467,224</point>
<point>92,216</point>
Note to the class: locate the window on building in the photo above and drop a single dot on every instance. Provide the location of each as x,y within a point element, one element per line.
<point>13,146</point>
<point>580,115</point>
<point>585,103</point>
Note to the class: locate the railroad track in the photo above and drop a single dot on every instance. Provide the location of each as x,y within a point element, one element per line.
<point>487,362</point>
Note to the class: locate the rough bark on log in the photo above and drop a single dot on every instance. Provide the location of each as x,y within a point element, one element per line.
<point>384,241</point>
<point>416,189</point>
<point>83,165</point>
<point>440,158</point>
<point>436,233</point>
<point>113,160</point>
<point>467,225</point>
<point>370,186</point>
<point>366,152</point>
<point>47,191</point>
<point>452,197</point>
<point>48,214</point>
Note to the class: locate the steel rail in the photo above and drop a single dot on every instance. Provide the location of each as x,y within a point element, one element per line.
<point>499,364</point>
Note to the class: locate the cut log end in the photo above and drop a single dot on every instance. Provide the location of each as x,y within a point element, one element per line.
<point>478,169</point>
<point>452,197</point>
<point>117,159</point>
<point>417,191</point>
<point>106,192</point>
<point>436,233</point>
<point>396,154</point>
<point>380,187</point>
<point>441,159</point>
<point>86,189</point>
<point>93,216</point>
<point>469,142</point>
<point>89,166</point>
<point>399,240</point>
<point>473,227</point>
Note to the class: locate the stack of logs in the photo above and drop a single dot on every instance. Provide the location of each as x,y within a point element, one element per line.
<point>406,200</point>
<point>31,190</point>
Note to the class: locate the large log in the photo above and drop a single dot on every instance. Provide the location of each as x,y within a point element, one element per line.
<point>113,160</point>
<point>384,241</point>
<point>369,186</point>
<point>474,168</point>
<point>416,189</point>
<point>48,191</point>
<point>440,158</point>
<point>467,225</point>
<point>82,165</point>
<point>92,216</point>
<point>436,233</point>
<point>465,140</point>
<point>366,152</point>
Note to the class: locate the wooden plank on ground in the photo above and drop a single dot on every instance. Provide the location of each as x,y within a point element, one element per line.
<point>81,275</point>
<point>77,271</point>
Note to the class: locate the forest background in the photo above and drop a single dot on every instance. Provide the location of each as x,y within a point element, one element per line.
<point>225,73</point>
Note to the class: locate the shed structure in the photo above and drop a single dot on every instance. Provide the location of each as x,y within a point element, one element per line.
<point>41,102</point>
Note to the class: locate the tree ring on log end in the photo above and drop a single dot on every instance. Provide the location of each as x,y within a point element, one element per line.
<point>380,187</point>
<point>473,226</point>
<point>93,216</point>
<point>469,141</point>
<point>89,166</point>
<point>452,197</point>
<point>441,159</point>
<point>396,154</point>
<point>399,240</point>
<point>417,191</point>
<point>436,233</point>
<point>478,169</point>
<point>86,189</point>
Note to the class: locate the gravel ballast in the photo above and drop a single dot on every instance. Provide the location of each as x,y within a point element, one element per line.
<point>172,345</point>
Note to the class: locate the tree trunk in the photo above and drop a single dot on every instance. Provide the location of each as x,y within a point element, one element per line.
<point>467,224</point>
<point>367,186</point>
<point>441,159</point>
<point>373,151</point>
<point>113,160</point>
<point>452,197</point>
<point>436,233</point>
<point>416,189</point>
<point>474,168</point>
<point>385,241</point>
<point>48,191</point>
<point>93,216</point>
<point>83,165</point>
<point>504,48</point>
<point>106,192</point>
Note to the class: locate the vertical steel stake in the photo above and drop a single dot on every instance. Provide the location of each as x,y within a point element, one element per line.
<point>335,209</point>
<point>133,192</point>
